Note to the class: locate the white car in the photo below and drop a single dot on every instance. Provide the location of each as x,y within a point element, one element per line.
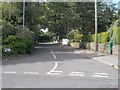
<point>65,41</point>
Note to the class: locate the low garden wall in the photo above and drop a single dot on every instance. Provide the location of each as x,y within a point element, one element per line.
<point>104,48</point>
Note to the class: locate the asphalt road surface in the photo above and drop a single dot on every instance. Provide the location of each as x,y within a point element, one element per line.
<point>57,66</point>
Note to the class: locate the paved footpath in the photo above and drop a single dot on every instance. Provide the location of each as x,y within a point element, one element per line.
<point>108,59</point>
<point>57,66</point>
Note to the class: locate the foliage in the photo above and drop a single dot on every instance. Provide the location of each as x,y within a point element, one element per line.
<point>21,42</point>
<point>44,37</point>
<point>78,37</point>
<point>102,37</point>
<point>60,18</point>
<point>75,36</point>
<point>69,19</point>
<point>114,32</point>
<point>117,35</point>
<point>7,29</point>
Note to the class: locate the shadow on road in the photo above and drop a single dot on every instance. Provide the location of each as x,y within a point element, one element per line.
<point>42,53</point>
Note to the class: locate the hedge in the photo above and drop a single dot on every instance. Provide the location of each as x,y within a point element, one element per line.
<point>102,38</point>
<point>44,38</point>
<point>116,35</point>
<point>114,31</point>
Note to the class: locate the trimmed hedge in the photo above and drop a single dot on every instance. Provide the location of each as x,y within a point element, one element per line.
<point>102,38</point>
<point>116,35</point>
<point>114,32</point>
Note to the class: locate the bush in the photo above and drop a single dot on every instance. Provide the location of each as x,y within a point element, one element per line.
<point>0,51</point>
<point>30,43</point>
<point>116,35</point>
<point>44,38</point>
<point>78,37</point>
<point>19,44</point>
<point>7,29</point>
<point>103,37</point>
<point>75,36</point>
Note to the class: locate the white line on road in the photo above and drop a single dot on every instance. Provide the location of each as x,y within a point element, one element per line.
<point>53,54</point>
<point>31,73</point>
<point>57,71</point>
<point>53,70</point>
<point>99,76</point>
<point>77,74</point>
<point>9,72</point>
<point>53,73</point>
<point>101,73</point>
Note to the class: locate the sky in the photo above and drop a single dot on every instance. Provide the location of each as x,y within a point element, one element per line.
<point>116,1</point>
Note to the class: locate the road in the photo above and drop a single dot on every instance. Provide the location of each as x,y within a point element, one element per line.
<point>57,66</point>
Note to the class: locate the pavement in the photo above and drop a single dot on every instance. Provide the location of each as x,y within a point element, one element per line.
<point>57,66</point>
<point>108,59</point>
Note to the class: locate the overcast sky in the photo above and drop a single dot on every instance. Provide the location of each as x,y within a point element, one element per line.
<point>116,1</point>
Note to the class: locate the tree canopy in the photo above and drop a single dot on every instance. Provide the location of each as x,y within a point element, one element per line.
<point>60,17</point>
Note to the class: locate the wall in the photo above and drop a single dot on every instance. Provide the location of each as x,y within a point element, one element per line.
<point>104,48</point>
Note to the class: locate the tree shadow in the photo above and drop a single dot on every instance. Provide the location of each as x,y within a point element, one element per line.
<point>42,53</point>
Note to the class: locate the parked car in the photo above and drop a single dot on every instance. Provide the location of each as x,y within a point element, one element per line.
<point>65,42</point>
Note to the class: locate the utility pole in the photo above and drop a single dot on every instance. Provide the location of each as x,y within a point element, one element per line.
<point>23,15</point>
<point>96,36</point>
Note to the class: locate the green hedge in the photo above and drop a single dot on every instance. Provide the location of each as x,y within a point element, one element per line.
<point>44,38</point>
<point>116,35</point>
<point>102,38</point>
<point>114,32</point>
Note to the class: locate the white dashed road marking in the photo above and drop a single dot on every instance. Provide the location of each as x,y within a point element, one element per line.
<point>31,73</point>
<point>100,75</point>
<point>9,72</point>
<point>53,72</point>
<point>76,74</point>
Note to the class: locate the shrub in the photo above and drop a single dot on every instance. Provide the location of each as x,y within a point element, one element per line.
<point>44,38</point>
<point>116,35</point>
<point>19,44</point>
<point>0,51</point>
<point>75,36</point>
<point>103,37</point>
<point>7,29</point>
<point>30,43</point>
<point>10,39</point>
<point>78,37</point>
<point>71,35</point>
<point>114,32</point>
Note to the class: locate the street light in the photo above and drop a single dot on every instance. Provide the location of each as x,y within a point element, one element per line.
<point>96,36</point>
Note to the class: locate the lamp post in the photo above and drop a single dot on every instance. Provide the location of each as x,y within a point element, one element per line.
<point>23,15</point>
<point>96,36</point>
